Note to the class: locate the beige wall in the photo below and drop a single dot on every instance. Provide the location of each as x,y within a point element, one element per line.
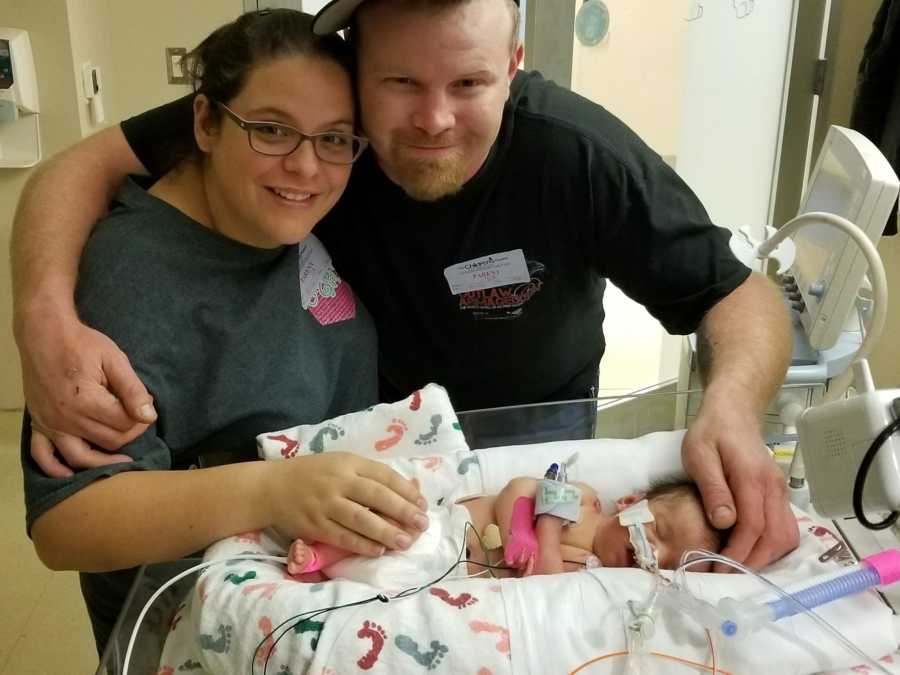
<point>648,98</point>
<point>46,22</point>
<point>90,32</point>
<point>855,24</point>
<point>636,72</point>
<point>126,38</point>
<point>142,32</point>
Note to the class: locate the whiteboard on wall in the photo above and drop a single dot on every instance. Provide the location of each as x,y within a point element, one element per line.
<point>735,87</point>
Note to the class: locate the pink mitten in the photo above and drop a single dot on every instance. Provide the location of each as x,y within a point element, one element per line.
<point>521,544</point>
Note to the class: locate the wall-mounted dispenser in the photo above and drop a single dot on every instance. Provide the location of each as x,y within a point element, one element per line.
<point>92,84</point>
<point>20,135</point>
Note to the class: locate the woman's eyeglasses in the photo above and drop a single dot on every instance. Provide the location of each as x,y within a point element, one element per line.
<point>276,140</point>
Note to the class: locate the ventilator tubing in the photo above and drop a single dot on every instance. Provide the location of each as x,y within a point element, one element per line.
<point>876,570</point>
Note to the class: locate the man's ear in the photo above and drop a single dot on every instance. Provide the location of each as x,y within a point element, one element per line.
<point>515,60</point>
<point>624,502</point>
<point>206,130</point>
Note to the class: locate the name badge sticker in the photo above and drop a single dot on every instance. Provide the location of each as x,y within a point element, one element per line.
<point>490,271</point>
<point>314,263</point>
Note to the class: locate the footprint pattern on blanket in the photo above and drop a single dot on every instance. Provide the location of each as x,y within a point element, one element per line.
<point>267,589</point>
<point>220,644</point>
<point>176,617</point>
<point>464,465</point>
<point>254,537</point>
<point>432,463</point>
<point>416,402</point>
<point>189,665</point>
<point>289,445</point>
<point>487,627</point>
<point>430,436</point>
<point>317,443</point>
<point>430,659</point>
<point>459,601</point>
<point>238,579</point>
<point>395,429</point>
<point>310,626</point>
<point>284,670</point>
<point>371,631</point>
<point>268,645</point>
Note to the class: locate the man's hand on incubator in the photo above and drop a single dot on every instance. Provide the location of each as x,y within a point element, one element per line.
<point>723,451</point>
<point>80,390</point>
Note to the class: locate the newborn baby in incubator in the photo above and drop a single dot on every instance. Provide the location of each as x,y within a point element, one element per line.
<point>493,539</point>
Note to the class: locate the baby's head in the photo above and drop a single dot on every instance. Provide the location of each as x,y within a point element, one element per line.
<point>679,525</point>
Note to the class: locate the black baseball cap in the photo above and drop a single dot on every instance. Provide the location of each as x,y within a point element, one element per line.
<point>336,16</point>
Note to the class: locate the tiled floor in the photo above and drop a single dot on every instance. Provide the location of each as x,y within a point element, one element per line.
<point>44,629</point>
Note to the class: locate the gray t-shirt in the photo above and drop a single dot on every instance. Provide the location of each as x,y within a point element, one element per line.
<point>216,331</point>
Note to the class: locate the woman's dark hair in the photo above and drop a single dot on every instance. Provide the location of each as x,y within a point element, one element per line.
<point>219,66</point>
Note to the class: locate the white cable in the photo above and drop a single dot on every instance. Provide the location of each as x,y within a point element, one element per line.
<point>178,577</point>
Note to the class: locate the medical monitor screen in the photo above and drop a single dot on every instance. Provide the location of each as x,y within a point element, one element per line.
<point>851,179</point>
<point>6,72</point>
<point>835,191</point>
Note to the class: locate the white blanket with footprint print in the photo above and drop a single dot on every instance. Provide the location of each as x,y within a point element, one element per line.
<point>246,616</point>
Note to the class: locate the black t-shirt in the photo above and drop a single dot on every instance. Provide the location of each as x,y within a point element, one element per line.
<point>568,185</point>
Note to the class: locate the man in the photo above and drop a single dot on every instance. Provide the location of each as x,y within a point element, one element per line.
<point>479,233</point>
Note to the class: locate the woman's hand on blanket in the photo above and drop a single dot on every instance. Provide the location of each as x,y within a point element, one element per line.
<point>345,500</point>
<point>741,486</point>
<point>79,385</point>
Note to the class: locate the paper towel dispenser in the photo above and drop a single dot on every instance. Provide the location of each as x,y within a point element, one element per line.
<point>20,140</point>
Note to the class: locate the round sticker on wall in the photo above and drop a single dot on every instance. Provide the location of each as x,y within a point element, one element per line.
<point>592,22</point>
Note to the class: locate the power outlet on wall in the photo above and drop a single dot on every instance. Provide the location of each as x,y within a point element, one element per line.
<point>175,65</point>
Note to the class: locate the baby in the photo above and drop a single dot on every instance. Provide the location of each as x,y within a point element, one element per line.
<point>679,524</point>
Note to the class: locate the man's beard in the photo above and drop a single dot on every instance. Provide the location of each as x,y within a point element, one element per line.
<point>427,180</point>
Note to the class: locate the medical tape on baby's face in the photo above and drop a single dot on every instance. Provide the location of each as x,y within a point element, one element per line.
<point>634,518</point>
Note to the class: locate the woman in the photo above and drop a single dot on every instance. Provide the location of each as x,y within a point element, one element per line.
<point>234,328</point>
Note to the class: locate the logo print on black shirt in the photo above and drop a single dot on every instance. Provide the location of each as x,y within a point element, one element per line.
<point>504,302</point>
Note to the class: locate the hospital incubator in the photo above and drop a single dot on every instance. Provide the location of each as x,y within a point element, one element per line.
<point>594,621</point>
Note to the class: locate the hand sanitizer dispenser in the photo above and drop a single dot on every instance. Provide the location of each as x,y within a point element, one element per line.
<point>20,139</point>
